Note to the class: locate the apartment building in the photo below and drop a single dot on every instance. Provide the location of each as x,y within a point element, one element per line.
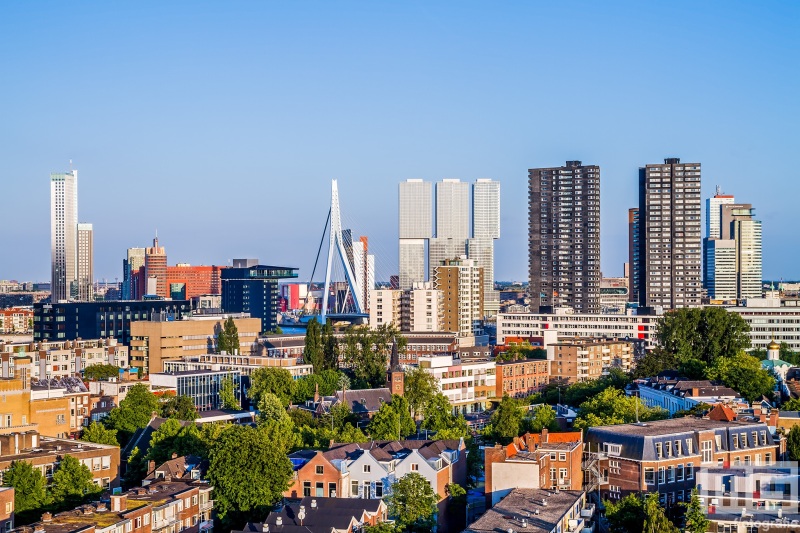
<point>153,342</point>
<point>675,395</point>
<point>416,309</point>
<point>537,511</point>
<point>584,359</point>
<point>669,235</point>
<point>328,515</point>
<point>61,358</point>
<point>461,284</point>
<point>16,320</point>
<point>161,507</point>
<point>545,460</point>
<point>469,384</point>
<point>564,237</point>
<point>56,409</point>
<point>520,379</point>
<point>44,454</point>
<point>663,456</point>
<point>6,508</point>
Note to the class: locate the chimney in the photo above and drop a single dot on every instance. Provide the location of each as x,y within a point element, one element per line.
<point>544,435</point>
<point>47,517</point>
<point>119,503</point>
<point>316,393</point>
<point>174,455</point>
<point>151,466</point>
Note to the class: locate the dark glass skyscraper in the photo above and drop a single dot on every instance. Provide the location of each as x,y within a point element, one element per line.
<point>254,289</point>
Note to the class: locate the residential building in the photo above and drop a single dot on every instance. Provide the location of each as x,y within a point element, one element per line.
<point>155,271</point>
<point>461,284</point>
<point>682,394</point>
<point>42,360</point>
<point>16,320</point>
<point>84,270</point>
<point>585,359</point>
<point>567,324</point>
<point>669,235</point>
<point>63,233</point>
<point>161,507</point>
<point>421,344</point>
<point>154,342</point>
<point>130,268</point>
<point>385,307</point>
<point>322,515</point>
<point>564,237</point>
<point>202,386</point>
<point>54,408</point>
<point>416,229</point>
<point>537,511</point>
<point>634,255</point>
<point>6,508</point>
<point>416,309</point>
<point>254,289</point>
<point>485,230</point>
<point>663,456</point>
<point>44,454</point>
<point>185,468</point>
<point>521,378</point>
<point>534,461</point>
<point>469,385</point>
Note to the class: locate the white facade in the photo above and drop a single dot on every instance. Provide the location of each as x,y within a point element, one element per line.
<point>421,308</point>
<point>385,308</point>
<point>457,380</point>
<point>452,210</point>
<point>747,235</point>
<point>714,214</point>
<point>64,358</point>
<point>665,399</point>
<point>416,227</point>
<point>768,321</point>
<point>85,266</point>
<point>63,233</point>
<point>444,249</point>
<point>720,269</point>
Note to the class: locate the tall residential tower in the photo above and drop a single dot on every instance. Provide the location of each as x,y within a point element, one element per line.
<point>63,233</point>
<point>416,229</point>
<point>85,266</point>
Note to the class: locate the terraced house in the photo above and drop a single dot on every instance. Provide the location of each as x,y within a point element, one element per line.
<point>663,456</point>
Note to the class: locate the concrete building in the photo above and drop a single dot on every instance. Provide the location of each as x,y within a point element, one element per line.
<point>16,320</point>
<point>585,359</point>
<point>155,271</point>
<point>85,263</point>
<point>746,233</point>
<point>44,454</point>
<point>469,385</point>
<point>663,456</point>
<point>769,320</point>
<point>63,233</point>
<point>564,237</point>
<point>485,230</point>
<point>669,235</point>
<point>614,295</point>
<point>55,408</point>
<point>244,364</point>
<point>154,342</point>
<point>634,255</point>
<point>202,386</point>
<point>416,229</point>
<point>185,281</point>
<point>461,284</point>
<point>254,289</point>
<point>416,309</point>
<point>130,268</point>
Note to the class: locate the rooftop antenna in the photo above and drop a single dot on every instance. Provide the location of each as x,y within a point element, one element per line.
<point>719,190</point>
<point>70,165</point>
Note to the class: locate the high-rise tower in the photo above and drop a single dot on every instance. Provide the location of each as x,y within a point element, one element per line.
<point>85,266</point>
<point>634,263</point>
<point>564,237</point>
<point>416,228</point>
<point>130,269</point>
<point>669,235</point>
<point>155,270</point>
<point>63,233</point>
<point>485,229</point>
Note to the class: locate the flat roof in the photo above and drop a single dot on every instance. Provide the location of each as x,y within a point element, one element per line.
<point>668,426</point>
<point>527,504</point>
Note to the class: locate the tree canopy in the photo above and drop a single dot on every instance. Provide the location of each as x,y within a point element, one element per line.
<point>228,337</point>
<point>625,515</point>
<point>227,395</point>
<point>30,486</point>
<point>506,421</point>
<point>313,350</point>
<point>274,380</point>
<point>743,373</point>
<point>99,434</point>
<point>412,502</point>
<point>706,333</point>
<point>366,353</point>
<point>612,406</point>
<point>73,483</point>
<point>655,519</point>
<point>694,518</point>
<point>134,412</point>
<point>100,372</point>
<point>793,443</point>
<point>419,389</point>
<point>180,407</point>
<point>385,424</point>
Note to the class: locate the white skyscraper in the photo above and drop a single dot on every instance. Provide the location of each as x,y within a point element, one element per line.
<point>63,233</point>
<point>485,229</point>
<point>416,228</point>
<point>452,223</point>
<point>85,265</point>
<point>714,213</point>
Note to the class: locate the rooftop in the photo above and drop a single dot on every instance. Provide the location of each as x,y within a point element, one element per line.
<point>667,427</point>
<point>541,509</point>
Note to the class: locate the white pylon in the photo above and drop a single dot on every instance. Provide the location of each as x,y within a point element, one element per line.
<point>337,242</point>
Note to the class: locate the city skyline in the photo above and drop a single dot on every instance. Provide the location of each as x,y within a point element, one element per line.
<point>154,134</point>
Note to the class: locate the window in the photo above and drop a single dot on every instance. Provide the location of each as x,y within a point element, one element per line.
<point>718,441</point>
<point>552,474</point>
<point>689,471</point>
<point>562,457</point>
<point>146,518</point>
<point>562,474</point>
<point>677,447</point>
<point>679,473</point>
<point>194,499</point>
<point>707,453</point>
<point>763,438</point>
<point>367,469</point>
<point>552,456</point>
<point>354,489</point>
<point>331,490</point>
<point>668,448</point>
<point>319,469</point>
<point>319,489</point>
<point>414,467</point>
<point>306,488</point>
<point>379,489</point>
<point>659,453</point>
<point>736,442</point>
<point>9,505</point>
<point>662,475</point>
<point>670,474</point>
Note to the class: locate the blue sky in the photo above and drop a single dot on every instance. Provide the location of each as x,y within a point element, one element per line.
<point>221,124</point>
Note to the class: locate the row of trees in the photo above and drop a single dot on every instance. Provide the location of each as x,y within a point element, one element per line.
<point>644,513</point>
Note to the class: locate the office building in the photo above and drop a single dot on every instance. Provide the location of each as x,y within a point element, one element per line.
<point>669,235</point>
<point>63,233</point>
<point>254,289</point>
<point>130,270</point>
<point>564,237</point>
<point>461,284</point>
<point>185,281</point>
<point>202,386</point>
<point>745,231</point>
<point>485,230</point>
<point>719,253</point>
<point>469,385</point>
<point>634,264</point>
<point>85,263</point>
<point>69,321</point>
<point>614,294</point>
<point>714,213</point>
<point>522,377</point>
<point>155,271</point>
<point>57,410</point>
<point>155,342</point>
<point>416,229</point>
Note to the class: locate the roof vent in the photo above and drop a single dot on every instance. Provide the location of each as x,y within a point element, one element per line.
<point>313,504</point>
<point>279,521</point>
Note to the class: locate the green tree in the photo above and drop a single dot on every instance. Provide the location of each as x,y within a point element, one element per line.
<point>655,519</point>
<point>793,404</point>
<point>438,413</point>
<point>542,417</point>
<point>403,410</point>
<point>366,353</point>
<point>136,468</point>
<point>249,474</point>
<point>706,334</point>
<point>273,380</point>
<point>228,338</point>
<point>327,382</point>
<point>30,488</point>
<point>350,433</point>
<point>313,353</point>
<point>385,424</point>
<point>789,355</point>
<point>381,527</point>
<point>73,483</point>
<point>507,419</point>
<point>99,434</point>
<point>180,407</point>
<point>162,442</point>
<point>227,395</point>
<point>654,362</point>
<point>270,407</point>
<point>419,389</point>
<point>100,372</point>
<point>330,347</point>
<point>695,518</point>
<point>793,443</point>
<point>625,515</point>
<point>134,412</point>
<point>456,506</point>
<point>412,502</point>
<point>612,406</point>
<point>743,373</point>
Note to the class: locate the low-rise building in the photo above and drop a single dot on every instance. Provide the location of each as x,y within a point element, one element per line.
<point>54,408</point>
<point>44,453</point>
<point>537,511</point>
<point>521,378</point>
<point>6,508</point>
<point>683,394</point>
<point>322,515</point>
<point>16,320</point>
<point>202,386</point>
<point>663,456</point>
<point>584,359</point>
<point>59,359</point>
<point>469,384</point>
<point>244,364</point>
<point>185,468</point>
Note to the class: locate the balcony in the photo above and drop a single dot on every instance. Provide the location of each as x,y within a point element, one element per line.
<point>164,522</point>
<point>206,506</point>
